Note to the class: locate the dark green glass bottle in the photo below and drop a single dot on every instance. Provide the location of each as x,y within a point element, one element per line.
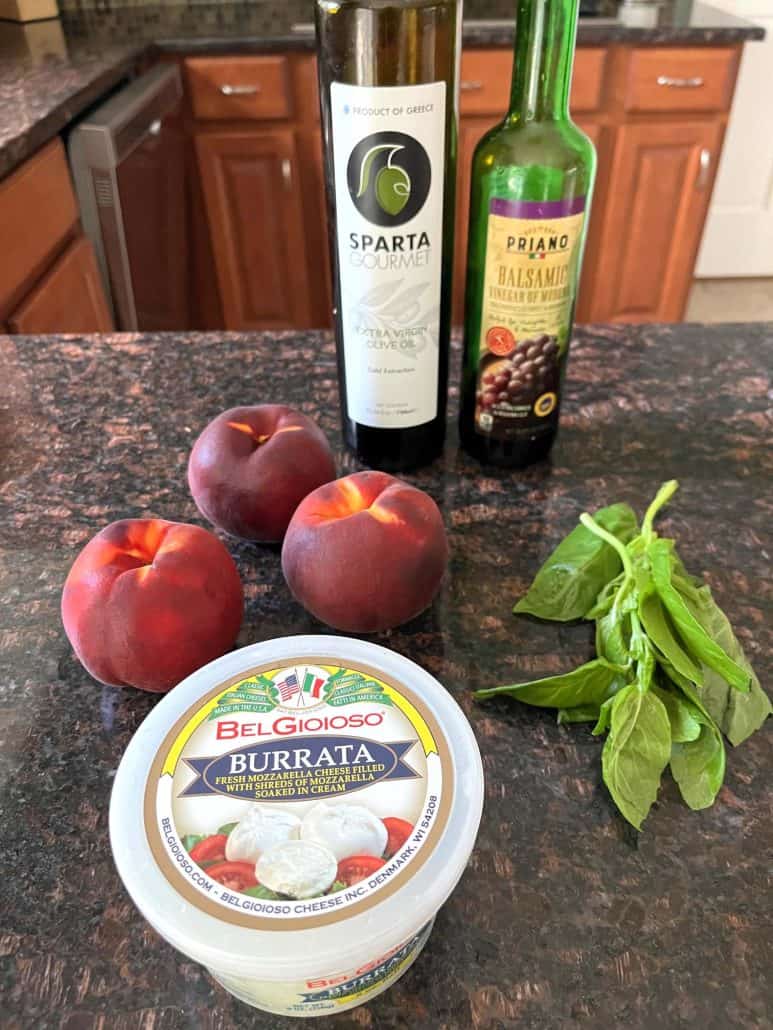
<point>532,178</point>
<point>388,72</point>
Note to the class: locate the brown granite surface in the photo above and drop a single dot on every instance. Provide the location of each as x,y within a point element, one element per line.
<point>565,917</point>
<point>52,71</point>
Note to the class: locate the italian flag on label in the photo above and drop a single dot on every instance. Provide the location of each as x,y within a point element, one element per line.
<point>313,685</point>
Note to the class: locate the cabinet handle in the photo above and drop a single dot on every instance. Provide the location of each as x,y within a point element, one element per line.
<point>470,85</point>
<point>704,167</point>
<point>239,91</point>
<point>287,172</point>
<point>668,80</point>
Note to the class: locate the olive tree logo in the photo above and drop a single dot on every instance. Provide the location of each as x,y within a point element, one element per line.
<point>388,176</point>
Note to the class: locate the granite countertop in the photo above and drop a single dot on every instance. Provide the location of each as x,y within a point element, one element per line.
<point>565,917</point>
<point>51,71</point>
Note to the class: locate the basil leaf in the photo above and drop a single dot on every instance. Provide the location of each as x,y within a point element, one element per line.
<point>698,765</point>
<point>685,720</point>
<point>657,628</point>
<point>694,636</point>
<point>583,713</point>
<point>737,714</point>
<point>636,751</point>
<point>190,840</point>
<point>605,599</point>
<point>338,885</point>
<point>605,712</point>
<point>611,640</point>
<point>227,828</point>
<point>587,685</point>
<point>569,582</point>
<point>261,892</point>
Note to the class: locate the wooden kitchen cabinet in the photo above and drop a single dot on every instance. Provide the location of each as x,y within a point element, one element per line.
<point>69,298</point>
<point>49,280</point>
<point>656,114</point>
<point>252,194</point>
<point>661,178</point>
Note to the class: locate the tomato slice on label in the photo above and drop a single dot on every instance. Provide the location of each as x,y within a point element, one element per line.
<point>236,875</point>
<point>357,867</point>
<point>211,849</point>
<point>399,831</point>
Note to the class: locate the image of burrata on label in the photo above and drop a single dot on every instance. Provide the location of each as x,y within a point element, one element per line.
<point>259,829</point>
<point>345,829</point>
<point>297,869</point>
<point>334,846</point>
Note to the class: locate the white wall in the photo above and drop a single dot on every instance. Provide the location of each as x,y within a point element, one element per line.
<point>738,238</point>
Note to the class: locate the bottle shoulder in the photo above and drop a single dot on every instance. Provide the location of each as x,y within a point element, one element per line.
<point>561,144</point>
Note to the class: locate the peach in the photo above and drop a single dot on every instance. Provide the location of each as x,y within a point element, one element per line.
<point>148,601</point>
<point>251,467</point>
<point>366,552</point>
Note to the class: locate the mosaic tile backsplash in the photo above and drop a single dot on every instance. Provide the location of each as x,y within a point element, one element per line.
<point>472,8</point>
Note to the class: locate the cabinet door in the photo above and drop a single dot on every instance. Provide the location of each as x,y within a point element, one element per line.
<point>659,189</point>
<point>69,298</point>
<point>252,196</point>
<point>151,182</point>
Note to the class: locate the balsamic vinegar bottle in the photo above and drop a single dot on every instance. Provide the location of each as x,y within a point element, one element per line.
<point>388,74</point>
<point>532,178</point>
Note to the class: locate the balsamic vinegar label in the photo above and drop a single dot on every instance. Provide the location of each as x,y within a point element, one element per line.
<point>532,252</point>
<point>388,146</point>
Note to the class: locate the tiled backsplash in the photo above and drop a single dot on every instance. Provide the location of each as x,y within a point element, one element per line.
<point>113,5</point>
<point>473,9</point>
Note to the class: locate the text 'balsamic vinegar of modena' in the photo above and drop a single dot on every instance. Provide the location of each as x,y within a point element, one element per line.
<point>531,182</point>
<point>389,86</point>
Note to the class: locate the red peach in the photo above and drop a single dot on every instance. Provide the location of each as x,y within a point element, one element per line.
<point>148,601</point>
<point>251,467</point>
<point>366,552</point>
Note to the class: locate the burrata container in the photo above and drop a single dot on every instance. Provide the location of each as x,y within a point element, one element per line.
<point>293,815</point>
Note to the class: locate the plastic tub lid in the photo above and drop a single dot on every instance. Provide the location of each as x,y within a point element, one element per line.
<point>290,725</point>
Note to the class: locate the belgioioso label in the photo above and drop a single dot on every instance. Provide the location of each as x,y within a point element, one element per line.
<point>332,993</point>
<point>291,796</point>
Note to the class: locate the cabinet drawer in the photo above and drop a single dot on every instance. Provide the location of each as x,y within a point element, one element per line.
<point>679,79</point>
<point>485,80</point>
<point>37,212</point>
<point>484,85</point>
<point>239,87</point>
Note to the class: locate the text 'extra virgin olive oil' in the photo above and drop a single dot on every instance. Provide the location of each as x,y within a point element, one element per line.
<point>388,74</point>
<point>532,178</point>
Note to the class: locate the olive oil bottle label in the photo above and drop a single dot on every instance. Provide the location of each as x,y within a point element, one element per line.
<point>388,145</point>
<point>532,251</point>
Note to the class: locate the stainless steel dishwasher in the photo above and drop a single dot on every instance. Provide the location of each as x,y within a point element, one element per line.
<point>128,163</point>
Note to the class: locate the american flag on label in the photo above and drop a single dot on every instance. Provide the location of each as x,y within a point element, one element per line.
<point>288,687</point>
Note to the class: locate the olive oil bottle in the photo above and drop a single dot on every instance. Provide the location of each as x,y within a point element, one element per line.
<point>388,73</point>
<point>532,179</point>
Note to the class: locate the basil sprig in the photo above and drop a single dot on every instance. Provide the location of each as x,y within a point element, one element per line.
<point>670,676</point>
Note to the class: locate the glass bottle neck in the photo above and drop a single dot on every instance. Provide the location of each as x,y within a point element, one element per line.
<point>545,32</point>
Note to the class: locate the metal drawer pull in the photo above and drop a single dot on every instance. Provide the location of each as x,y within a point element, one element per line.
<point>694,83</point>
<point>704,166</point>
<point>287,172</point>
<point>239,91</point>
<point>470,85</point>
